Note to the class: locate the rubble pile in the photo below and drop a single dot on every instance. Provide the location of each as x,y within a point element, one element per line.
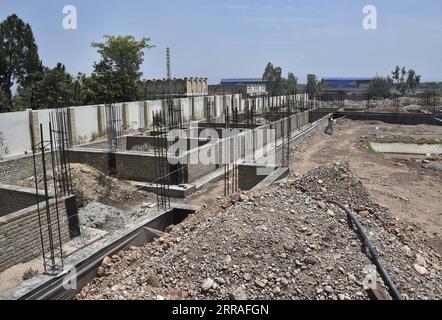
<point>282,242</point>
<point>97,186</point>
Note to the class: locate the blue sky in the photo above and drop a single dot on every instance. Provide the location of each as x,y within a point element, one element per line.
<point>236,38</point>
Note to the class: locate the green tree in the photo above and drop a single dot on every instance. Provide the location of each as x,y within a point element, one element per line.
<point>380,88</point>
<point>291,84</point>
<point>312,85</point>
<point>405,80</point>
<point>268,72</point>
<point>54,90</point>
<point>3,99</point>
<point>268,75</point>
<point>412,79</point>
<point>19,61</point>
<point>22,99</point>
<point>275,82</point>
<point>79,89</point>
<point>116,75</point>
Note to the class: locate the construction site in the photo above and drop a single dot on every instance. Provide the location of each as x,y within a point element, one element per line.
<point>264,198</point>
<point>120,181</point>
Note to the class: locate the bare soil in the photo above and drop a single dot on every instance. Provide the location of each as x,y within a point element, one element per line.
<point>410,189</point>
<point>93,185</point>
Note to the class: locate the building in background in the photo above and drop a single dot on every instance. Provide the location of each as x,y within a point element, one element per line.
<point>184,87</point>
<point>247,87</point>
<point>355,88</point>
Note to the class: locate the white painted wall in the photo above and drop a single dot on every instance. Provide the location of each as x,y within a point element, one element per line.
<point>15,129</point>
<point>186,107</point>
<point>86,122</point>
<point>15,125</point>
<point>134,114</point>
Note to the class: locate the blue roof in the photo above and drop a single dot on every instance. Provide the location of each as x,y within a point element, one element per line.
<point>348,78</point>
<point>345,83</point>
<point>243,81</point>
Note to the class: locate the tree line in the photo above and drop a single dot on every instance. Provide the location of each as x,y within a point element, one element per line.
<point>115,77</point>
<point>401,81</point>
<point>277,85</point>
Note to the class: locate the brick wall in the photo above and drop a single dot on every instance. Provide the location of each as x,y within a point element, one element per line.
<point>102,144</point>
<point>248,177</point>
<point>195,168</point>
<point>94,158</point>
<point>132,141</point>
<point>14,198</point>
<point>20,239</point>
<point>124,165</point>
<point>19,168</point>
<point>136,166</point>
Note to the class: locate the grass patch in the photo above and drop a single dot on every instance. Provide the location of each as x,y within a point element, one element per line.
<point>369,148</point>
<point>82,198</point>
<point>408,140</point>
<point>29,273</point>
<point>94,136</point>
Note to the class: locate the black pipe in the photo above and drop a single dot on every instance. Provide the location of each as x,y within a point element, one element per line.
<point>374,255</point>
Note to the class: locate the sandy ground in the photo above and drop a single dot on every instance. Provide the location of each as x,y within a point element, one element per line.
<point>409,189</point>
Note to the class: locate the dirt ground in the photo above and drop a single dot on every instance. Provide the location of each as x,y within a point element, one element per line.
<point>405,105</point>
<point>91,184</point>
<point>409,188</point>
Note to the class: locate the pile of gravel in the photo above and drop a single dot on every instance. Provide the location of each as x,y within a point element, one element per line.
<point>283,242</point>
<point>100,216</point>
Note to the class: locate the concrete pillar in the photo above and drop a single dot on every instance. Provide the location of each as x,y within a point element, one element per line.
<point>192,101</point>
<point>101,119</point>
<point>225,104</point>
<point>71,126</point>
<point>205,106</point>
<point>215,107</point>
<point>146,114</point>
<point>34,126</point>
<point>125,116</point>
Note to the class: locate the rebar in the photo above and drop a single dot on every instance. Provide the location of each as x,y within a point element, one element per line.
<point>53,152</point>
<point>114,127</point>
<point>162,180</point>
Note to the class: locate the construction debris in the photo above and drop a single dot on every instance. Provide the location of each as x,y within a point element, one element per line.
<point>277,243</point>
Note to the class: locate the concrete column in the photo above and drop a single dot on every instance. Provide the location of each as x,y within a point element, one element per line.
<point>205,106</point>
<point>192,102</point>
<point>101,119</point>
<point>125,116</point>
<point>71,126</point>
<point>34,126</point>
<point>215,107</point>
<point>146,114</point>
